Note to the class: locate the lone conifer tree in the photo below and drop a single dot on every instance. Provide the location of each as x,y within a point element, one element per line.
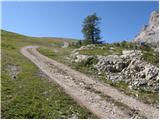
<point>91,29</point>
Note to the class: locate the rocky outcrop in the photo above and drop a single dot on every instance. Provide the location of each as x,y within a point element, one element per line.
<point>131,69</point>
<point>76,57</point>
<point>150,33</point>
<point>128,67</point>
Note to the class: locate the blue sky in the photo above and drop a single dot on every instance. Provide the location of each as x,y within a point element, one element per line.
<point>120,20</point>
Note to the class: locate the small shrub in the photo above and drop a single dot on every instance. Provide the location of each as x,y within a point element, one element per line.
<point>7,46</point>
<point>89,62</point>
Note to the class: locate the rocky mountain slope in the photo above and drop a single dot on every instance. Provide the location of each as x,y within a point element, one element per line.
<point>128,67</point>
<point>150,32</point>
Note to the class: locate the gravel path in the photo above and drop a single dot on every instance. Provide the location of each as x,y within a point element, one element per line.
<point>101,99</point>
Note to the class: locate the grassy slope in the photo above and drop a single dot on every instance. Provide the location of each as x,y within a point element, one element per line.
<point>102,50</point>
<point>30,95</point>
<point>147,97</point>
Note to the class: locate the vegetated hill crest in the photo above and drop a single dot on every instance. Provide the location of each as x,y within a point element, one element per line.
<point>17,34</point>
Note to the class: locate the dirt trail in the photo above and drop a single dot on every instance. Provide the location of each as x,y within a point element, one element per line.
<point>101,99</point>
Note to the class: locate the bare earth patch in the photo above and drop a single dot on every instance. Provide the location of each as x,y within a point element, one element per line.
<point>13,70</point>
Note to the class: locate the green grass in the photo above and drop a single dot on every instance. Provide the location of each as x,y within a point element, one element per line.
<point>151,57</point>
<point>85,67</point>
<point>61,55</point>
<point>102,50</point>
<point>30,95</point>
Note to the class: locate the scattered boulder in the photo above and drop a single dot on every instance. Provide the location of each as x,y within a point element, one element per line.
<point>80,58</point>
<point>150,71</point>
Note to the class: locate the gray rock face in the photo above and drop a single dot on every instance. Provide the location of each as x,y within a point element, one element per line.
<point>149,33</point>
